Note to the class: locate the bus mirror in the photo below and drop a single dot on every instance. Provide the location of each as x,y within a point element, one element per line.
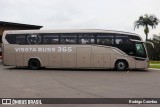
<point>143,42</point>
<point>150,43</point>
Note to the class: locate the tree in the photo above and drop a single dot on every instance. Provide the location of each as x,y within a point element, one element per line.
<point>146,21</point>
<point>154,53</point>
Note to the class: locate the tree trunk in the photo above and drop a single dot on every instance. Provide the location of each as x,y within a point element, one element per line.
<point>146,37</point>
<point>146,31</point>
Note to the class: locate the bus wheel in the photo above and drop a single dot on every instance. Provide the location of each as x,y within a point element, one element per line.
<point>34,64</point>
<point>121,65</point>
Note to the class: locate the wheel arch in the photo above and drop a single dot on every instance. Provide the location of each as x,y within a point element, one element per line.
<point>35,58</point>
<point>121,60</point>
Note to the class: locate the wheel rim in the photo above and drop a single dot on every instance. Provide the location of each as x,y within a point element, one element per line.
<point>121,65</point>
<point>34,64</point>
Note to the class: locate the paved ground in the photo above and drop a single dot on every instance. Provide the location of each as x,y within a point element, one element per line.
<point>59,83</point>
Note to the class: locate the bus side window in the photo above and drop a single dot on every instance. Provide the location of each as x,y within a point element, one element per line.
<point>86,39</point>
<point>33,39</point>
<point>68,38</point>
<point>50,38</point>
<point>121,39</point>
<point>21,39</point>
<point>92,39</point>
<point>105,39</point>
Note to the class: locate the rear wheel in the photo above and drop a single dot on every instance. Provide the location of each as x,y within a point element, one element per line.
<point>34,64</point>
<point>121,65</point>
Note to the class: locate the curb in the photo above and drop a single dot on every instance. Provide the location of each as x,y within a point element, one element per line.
<point>154,69</point>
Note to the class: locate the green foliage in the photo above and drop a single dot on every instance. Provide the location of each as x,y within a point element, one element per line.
<point>154,53</point>
<point>146,21</point>
<point>154,66</point>
<point>154,62</point>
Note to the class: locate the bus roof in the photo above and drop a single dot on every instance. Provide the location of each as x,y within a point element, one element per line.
<point>68,31</point>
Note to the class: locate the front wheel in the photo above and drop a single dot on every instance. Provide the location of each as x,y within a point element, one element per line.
<point>121,65</point>
<point>34,64</point>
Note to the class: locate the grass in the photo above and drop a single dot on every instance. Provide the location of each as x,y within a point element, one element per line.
<point>154,64</point>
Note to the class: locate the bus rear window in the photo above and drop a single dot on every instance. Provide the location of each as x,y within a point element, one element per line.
<point>11,38</point>
<point>16,38</point>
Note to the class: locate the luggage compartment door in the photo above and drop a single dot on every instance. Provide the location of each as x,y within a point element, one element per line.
<point>19,59</point>
<point>84,57</point>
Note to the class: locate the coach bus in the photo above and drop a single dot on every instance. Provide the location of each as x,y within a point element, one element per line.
<point>81,49</point>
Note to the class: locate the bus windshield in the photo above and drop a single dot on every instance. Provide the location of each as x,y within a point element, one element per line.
<point>140,50</point>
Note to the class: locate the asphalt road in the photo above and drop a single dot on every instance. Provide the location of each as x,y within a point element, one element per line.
<point>59,83</point>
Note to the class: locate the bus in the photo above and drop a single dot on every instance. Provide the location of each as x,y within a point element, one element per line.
<point>74,48</point>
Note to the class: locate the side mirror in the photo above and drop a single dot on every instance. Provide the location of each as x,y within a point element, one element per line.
<point>150,43</point>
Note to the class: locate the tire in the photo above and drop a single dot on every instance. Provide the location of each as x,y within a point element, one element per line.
<point>34,64</point>
<point>120,65</point>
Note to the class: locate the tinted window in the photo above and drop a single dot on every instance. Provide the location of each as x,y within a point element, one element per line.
<point>50,38</point>
<point>21,39</point>
<point>123,43</point>
<point>34,39</point>
<point>128,48</point>
<point>92,37</point>
<point>105,39</point>
<point>140,50</point>
<point>121,39</point>
<point>11,38</point>
<point>86,39</point>
<point>135,37</point>
<point>68,38</point>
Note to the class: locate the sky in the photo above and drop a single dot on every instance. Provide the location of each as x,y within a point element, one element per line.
<point>117,15</point>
